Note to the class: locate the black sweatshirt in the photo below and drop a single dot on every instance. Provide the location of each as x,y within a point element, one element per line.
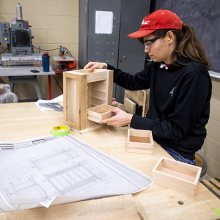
<point>179,103</point>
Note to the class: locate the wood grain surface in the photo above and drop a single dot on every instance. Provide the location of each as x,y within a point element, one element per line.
<point>22,121</point>
<point>117,208</point>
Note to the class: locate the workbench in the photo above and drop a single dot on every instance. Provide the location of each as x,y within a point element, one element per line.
<point>22,121</point>
<point>26,74</point>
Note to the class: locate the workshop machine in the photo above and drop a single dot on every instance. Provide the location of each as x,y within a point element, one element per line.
<point>18,38</point>
<point>18,60</point>
<point>64,63</point>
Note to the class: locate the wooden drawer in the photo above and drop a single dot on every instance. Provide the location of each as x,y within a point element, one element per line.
<point>140,141</point>
<point>176,175</point>
<point>100,112</point>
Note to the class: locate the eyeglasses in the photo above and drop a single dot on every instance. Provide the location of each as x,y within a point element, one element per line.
<point>148,44</point>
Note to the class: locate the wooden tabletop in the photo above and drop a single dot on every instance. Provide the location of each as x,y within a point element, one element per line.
<point>22,121</point>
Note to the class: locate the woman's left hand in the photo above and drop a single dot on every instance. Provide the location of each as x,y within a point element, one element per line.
<point>120,119</point>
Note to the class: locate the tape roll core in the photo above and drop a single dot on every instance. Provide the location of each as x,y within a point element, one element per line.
<point>60,130</point>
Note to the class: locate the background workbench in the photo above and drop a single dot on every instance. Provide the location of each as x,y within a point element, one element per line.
<point>23,74</point>
<point>22,121</point>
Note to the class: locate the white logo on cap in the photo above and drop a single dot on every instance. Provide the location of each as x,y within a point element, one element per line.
<point>145,22</point>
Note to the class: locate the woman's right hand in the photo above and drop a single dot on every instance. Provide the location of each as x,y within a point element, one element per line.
<point>95,65</point>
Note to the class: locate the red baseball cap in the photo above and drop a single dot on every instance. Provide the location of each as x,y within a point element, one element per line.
<point>160,19</point>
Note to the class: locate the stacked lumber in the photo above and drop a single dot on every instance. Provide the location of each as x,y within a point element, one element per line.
<point>213,185</point>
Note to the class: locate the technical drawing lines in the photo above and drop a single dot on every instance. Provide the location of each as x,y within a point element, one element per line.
<point>54,158</point>
<point>23,189</point>
<point>45,161</point>
<point>7,146</point>
<point>25,168</point>
<point>73,179</point>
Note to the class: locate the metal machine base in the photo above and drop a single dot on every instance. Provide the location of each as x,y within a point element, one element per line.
<point>25,79</point>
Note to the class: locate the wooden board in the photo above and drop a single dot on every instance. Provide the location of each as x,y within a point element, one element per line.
<point>117,208</point>
<point>130,106</point>
<point>215,183</point>
<point>141,97</point>
<point>110,87</point>
<point>75,100</point>
<point>211,186</point>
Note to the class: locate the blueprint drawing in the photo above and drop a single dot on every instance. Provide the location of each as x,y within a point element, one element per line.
<point>62,169</point>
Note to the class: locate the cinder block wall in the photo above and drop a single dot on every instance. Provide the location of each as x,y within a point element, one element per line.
<point>54,23</point>
<point>212,141</point>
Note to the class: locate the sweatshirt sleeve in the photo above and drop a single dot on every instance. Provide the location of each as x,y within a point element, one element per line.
<point>191,99</point>
<point>140,80</point>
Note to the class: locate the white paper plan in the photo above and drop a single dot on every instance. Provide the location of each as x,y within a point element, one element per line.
<point>51,170</point>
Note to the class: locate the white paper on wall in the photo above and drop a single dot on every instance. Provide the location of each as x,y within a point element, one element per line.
<point>103,22</point>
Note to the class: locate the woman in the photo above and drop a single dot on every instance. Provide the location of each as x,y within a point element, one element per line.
<point>179,82</point>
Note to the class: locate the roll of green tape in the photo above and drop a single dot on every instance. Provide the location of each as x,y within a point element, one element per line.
<point>60,130</point>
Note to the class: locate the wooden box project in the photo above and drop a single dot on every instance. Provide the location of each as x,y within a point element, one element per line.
<point>100,112</point>
<point>140,141</point>
<point>82,90</point>
<point>176,175</point>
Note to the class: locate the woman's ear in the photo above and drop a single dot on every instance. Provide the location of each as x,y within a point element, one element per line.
<point>170,37</point>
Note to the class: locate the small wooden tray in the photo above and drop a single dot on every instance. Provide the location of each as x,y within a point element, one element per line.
<point>100,112</point>
<point>176,175</point>
<point>140,141</point>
